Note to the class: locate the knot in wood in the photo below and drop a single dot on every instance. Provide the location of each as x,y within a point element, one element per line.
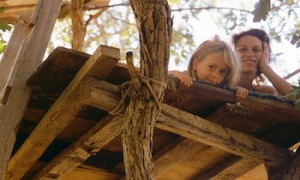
<point>238,109</point>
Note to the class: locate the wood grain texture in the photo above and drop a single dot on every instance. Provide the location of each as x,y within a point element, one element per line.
<point>61,113</point>
<point>29,55</point>
<point>90,143</point>
<point>201,130</point>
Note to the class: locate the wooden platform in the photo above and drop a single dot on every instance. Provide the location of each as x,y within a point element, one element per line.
<point>68,130</point>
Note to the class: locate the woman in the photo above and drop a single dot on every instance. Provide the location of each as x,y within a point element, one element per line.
<point>253,47</point>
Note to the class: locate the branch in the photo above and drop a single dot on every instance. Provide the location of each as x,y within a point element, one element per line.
<point>179,9</point>
<point>208,8</point>
<point>292,74</point>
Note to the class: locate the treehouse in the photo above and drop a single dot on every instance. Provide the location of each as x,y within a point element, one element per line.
<point>67,116</point>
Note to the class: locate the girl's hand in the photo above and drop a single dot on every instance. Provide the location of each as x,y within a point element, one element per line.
<point>184,79</point>
<point>264,61</point>
<point>241,93</point>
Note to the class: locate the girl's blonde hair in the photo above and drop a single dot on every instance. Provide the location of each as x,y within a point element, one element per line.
<point>216,45</point>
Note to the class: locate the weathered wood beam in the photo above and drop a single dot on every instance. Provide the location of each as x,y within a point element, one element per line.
<point>288,172</point>
<point>222,113</point>
<point>27,50</point>
<point>61,112</point>
<point>14,3</point>
<point>12,14</point>
<point>13,9</point>
<point>201,130</point>
<point>231,168</point>
<point>103,132</point>
<point>81,172</point>
<point>105,96</point>
<point>172,155</point>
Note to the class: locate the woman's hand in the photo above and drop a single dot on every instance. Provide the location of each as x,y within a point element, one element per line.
<point>264,61</point>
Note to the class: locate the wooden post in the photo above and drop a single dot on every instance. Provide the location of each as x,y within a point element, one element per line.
<point>28,54</point>
<point>154,24</point>
<point>288,172</point>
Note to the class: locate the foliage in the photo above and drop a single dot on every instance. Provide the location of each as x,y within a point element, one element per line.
<point>115,25</point>
<point>261,10</point>
<point>4,27</point>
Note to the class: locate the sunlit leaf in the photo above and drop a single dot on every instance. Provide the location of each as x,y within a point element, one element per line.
<point>5,27</point>
<point>261,10</point>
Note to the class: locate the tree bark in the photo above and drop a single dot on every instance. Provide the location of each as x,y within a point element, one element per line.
<point>154,23</point>
<point>77,24</point>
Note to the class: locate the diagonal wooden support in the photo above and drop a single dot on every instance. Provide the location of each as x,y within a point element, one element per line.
<point>201,130</point>
<point>183,149</point>
<point>61,112</point>
<point>230,169</point>
<point>23,54</point>
<point>103,132</point>
<point>180,152</point>
<point>105,96</point>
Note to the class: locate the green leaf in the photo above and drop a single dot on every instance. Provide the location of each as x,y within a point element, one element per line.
<point>296,40</point>
<point>2,47</point>
<point>261,10</point>
<point>5,27</point>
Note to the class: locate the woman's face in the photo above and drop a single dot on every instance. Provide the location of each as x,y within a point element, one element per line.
<point>250,51</point>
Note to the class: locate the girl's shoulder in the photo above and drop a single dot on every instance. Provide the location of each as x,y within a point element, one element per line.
<point>266,89</point>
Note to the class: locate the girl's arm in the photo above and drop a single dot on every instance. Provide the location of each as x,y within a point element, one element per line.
<point>184,79</point>
<point>280,84</point>
<point>241,93</point>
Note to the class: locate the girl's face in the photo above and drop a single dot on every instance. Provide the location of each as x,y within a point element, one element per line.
<point>212,68</point>
<point>250,51</point>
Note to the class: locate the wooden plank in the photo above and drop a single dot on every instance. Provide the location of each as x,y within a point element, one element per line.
<point>10,57</point>
<point>10,3</point>
<point>82,172</point>
<point>105,96</point>
<point>172,155</point>
<point>14,8</point>
<point>230,113</point>
<point>79,151</point>
<point>60,113</point>
<point>29,55</point>
<point>231,168</point>
<point>201,130</point>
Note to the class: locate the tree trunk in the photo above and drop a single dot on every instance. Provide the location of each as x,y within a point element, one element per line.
<point>77,24</point>
<point>154,23</point>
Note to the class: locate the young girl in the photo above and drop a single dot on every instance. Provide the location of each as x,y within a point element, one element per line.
<point>215,63</point>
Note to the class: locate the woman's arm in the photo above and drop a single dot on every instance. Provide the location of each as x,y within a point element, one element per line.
<point>280,84</point>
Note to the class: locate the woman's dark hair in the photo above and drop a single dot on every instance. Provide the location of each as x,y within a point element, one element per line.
<point>260,34</point>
